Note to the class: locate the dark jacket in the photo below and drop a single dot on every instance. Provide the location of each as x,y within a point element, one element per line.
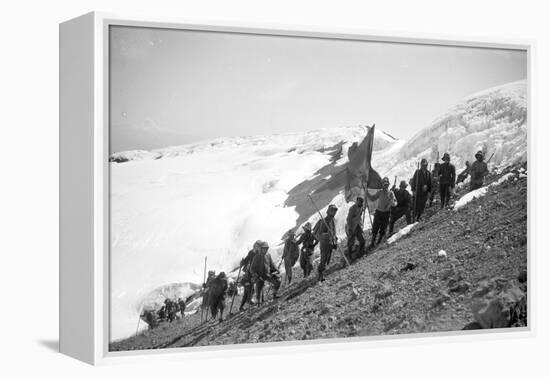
<point>307,240</point>
<point>420,179</point>
<point>478,171</point>
<point>291,251</point>
<point>447,174</point>
<point>181,305</point>
<point>403,198</point>
<point>323,234</point>
<point>262,265</point>
<point>354,218</point>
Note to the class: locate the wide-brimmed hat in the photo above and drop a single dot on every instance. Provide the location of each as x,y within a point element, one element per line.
<point>307,226</point>
<point>332,207</point>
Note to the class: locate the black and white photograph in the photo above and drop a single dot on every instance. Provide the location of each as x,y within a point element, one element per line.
<point>277,188</point>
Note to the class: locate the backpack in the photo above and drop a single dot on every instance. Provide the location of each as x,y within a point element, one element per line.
<point>260,264</point>
<point>293,251</point>
<point>218,288</point>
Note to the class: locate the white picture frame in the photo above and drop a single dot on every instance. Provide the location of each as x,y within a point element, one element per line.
<point>84,188</point>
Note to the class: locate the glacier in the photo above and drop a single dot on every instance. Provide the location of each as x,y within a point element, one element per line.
<point>171,207</point>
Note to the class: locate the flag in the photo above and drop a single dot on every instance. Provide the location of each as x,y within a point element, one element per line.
<point>360,176</point>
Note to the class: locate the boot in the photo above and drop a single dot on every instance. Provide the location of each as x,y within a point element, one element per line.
<point>320,277</point>
<point>347,254</point>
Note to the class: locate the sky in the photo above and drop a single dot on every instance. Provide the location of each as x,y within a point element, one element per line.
<point>172,87</point>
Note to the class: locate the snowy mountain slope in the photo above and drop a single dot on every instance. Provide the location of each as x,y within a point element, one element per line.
<point>172,207</point>
<point>494,120</point>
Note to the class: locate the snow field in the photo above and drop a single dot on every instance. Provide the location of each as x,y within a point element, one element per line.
<point>467,198</point>
<point>402,232</point>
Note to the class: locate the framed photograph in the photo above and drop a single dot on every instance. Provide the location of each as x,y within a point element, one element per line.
<point>235,188</point>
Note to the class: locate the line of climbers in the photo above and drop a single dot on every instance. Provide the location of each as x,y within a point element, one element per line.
<point>390,206</point>
<point>169,312</point>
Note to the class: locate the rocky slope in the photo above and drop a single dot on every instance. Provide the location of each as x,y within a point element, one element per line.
<point>408,287</point>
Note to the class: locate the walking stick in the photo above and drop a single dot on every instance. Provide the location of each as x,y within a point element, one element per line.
<point>489,160</point>
<point>366,207</point>
<point>417,173</point>
<point>237,285</point>
<point>328,228</point>
<point>203,282</point>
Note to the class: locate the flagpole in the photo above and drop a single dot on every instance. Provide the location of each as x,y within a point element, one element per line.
<point>367,207</point>
<point>366,188</point>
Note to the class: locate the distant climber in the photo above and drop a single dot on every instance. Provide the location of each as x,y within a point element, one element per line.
<point>435,183</point>
<point>232,289</point>
<point>325,233</point>
<point>385,200</point>
<point>447,179</point>
<point>150,317</point>
<point>421,185</point>
<point>246,280</point>
<point>354,228</point>
<point>308,242</point>
<point>181,307</point>
<point>171,309</point>
<point>403,207</point>
<point>478,171</point>
<point>162,313</point>
<point>205,288</point>
<point>263,269</point>
<point>291,253</point>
